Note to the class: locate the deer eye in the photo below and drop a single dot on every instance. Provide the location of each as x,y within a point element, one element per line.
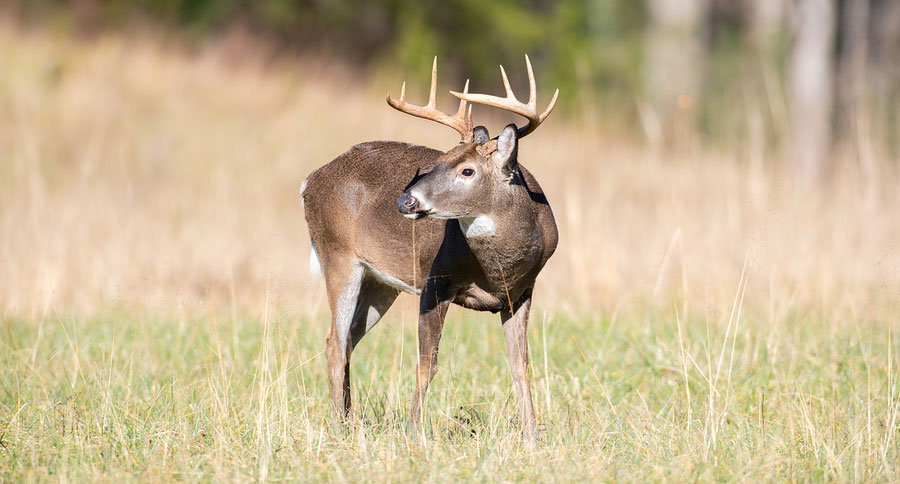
<point>467,172</point>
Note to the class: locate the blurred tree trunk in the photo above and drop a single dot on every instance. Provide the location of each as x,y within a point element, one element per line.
<point>673,67</point>
<point>886,29</point>
<point>884,56</point>
<point>765,29</point>
<point>850,92</point>
<point>766,21</point>
<point>811,87</point>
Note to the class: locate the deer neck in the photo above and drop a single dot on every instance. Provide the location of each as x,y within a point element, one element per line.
<point>500,230</point>
<point>507,242</point>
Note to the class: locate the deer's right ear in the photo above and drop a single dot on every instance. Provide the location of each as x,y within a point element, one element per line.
<point>480,135</point>
<point>507,148</point>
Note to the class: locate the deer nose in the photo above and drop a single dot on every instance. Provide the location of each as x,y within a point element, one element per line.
<point>406,203</point>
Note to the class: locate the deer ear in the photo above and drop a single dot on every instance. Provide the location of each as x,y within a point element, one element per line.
<point>480,135</point>
<point>507,148</point>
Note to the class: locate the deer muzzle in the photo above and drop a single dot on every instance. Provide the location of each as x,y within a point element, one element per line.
<point>407,204</point>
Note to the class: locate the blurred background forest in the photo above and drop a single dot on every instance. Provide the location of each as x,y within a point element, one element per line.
<point>812,80</point>
<point>691,137</point>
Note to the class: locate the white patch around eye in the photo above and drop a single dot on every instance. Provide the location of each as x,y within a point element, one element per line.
<point>460,178</point>
<point>479,226</point>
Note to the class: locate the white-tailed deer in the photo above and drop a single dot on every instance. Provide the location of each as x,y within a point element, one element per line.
<point>481,230</point>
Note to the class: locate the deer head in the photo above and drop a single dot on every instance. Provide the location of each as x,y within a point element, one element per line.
<point>463,182</point>
<point>474,177</point>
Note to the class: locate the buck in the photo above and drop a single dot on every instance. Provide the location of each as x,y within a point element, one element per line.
<point>470,227</point>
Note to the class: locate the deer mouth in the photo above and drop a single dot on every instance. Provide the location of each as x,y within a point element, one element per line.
<point>413,207</point>
<point>445,215</point>
<point>422,213</point>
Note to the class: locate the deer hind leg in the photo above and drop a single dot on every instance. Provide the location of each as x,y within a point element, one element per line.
<point>357,303</point>
<point>373,301</point>
<point>515,325</point>
<point>343,281</point>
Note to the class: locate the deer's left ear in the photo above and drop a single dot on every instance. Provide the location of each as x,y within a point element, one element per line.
<point>480,135</point>
<point>507,149</point>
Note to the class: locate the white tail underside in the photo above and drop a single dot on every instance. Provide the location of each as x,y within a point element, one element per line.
<point>315,268</point>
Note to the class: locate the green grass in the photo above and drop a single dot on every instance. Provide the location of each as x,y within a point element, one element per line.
<point>131,397</point>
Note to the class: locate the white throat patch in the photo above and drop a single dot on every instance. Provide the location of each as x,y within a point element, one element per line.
<point>481,225</point>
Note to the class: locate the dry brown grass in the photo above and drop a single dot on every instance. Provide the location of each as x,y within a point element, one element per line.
<point>135,172</point>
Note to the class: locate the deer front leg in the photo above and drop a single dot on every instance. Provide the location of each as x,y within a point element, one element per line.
<point>515,325</point>
<point>432,311</point>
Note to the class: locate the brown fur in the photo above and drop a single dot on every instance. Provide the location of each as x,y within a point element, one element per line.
<point>351,211</point>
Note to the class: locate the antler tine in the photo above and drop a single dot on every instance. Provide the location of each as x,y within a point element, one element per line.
<point>459,121</point>
<point>433,93</point>
<point>512,104</point>
<point>509,91</point>
<point>550,106</point>
<point>532,88</point>
<point>462,102</point>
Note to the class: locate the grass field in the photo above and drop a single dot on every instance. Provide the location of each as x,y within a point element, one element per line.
<point>126,397</point>
<point>704,319</point>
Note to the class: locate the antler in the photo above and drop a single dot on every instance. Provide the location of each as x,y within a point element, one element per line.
<point>510,103</point>
<point>461,121</point>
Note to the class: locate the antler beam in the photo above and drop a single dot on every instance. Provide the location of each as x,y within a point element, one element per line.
<point>461,121</point>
